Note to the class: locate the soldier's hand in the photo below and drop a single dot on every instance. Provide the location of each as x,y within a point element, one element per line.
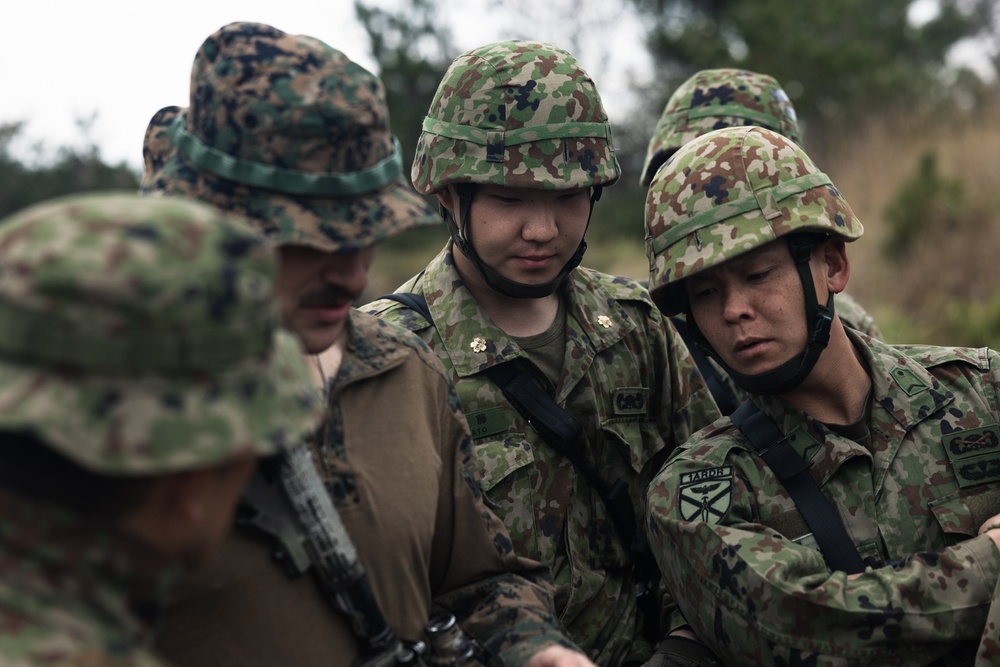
<point>559,656</point>
<point>682,649</point>
<point>991,527</point>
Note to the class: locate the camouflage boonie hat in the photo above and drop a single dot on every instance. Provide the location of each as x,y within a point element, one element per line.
<point>139,335</point>
<point>289,133</point>
<point>515,114</point>
<point>728,192</point>
<point>717,98</point>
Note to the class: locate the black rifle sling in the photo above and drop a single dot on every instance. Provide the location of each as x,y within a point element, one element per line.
<point>770,444</point>
<point>560,429</point>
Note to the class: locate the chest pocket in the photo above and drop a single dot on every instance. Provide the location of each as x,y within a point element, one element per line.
<point>509,482</point>
<point>960,514</point>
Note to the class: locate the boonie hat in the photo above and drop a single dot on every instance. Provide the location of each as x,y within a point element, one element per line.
<point>139,335</point>
<point>289,133</point>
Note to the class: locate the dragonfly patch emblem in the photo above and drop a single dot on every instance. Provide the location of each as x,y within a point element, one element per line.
<point>706,495</point>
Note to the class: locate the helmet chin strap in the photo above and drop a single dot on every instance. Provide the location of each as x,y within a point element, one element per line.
<point>460,235</point>
<point>791,373</point>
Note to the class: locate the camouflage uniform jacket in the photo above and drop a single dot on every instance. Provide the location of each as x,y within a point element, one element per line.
<point>397,459</point>
<point>628,378</point>
<point>724,529</point>
<point>74,594</point>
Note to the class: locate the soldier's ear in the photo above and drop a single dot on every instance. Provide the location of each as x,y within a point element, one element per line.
<point>446,198</point>
<point>837,266</point>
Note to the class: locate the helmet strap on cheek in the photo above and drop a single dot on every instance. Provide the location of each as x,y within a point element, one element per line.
<point>461,235</point>
<point>791,373</point>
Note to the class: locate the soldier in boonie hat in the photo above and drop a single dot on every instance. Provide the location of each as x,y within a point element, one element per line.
<point>142,372</point>
<point>291,134</point>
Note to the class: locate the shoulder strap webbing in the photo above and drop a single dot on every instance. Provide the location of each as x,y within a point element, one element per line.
<point>560,429</point>
<point>555,424</point>
<point>769,443</point>
<point>724,397</point>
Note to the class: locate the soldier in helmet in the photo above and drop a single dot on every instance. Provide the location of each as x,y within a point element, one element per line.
<point>142,373</point>
<point>709,100</point>
<point>575,388</point>
<point>846,513</point>
<point>289,132</point>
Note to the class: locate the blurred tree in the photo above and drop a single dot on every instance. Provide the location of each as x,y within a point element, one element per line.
<point>70,170</point>
<point>413,49</point>
<point>838,60</point>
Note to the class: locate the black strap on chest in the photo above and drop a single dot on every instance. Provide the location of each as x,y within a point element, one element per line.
<point>558,427</point>
<point>724,396</point>
<point>770,444</point>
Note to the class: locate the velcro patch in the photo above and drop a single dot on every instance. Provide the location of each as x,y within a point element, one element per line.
<point>706,495</point>
<point>974,455</point>
<point>630,401</point>
<point>488,422</point>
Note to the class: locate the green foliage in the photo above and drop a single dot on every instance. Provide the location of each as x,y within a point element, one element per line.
<point>399,41</point>
<point>926,201</point>
<point>975,324</point>
<point>837,59</point>
<point>71,170</point>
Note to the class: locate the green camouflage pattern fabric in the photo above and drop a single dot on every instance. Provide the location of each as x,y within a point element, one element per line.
<point>140,336</point>
<point>740,561</point>
<point>730,191</point>
<point>516,114</point>
<point>628,378</point>
<point>71,593</point>
<point>715,98</point>
<point>289,133</point>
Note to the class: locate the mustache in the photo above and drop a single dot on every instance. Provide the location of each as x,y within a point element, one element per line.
<point>329,297</point>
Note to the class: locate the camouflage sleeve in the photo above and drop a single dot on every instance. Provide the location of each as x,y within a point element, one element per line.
<point>502,600</point>
<point>758,598</point>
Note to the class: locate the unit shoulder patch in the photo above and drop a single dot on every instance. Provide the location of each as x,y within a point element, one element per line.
<point>706,495</point>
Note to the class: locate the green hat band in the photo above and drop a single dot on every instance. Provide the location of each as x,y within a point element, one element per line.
<point>724,111</point>
<point>288,181</point>
<point>36,338</point>
<point>765,200</point>
<point>516,136</point>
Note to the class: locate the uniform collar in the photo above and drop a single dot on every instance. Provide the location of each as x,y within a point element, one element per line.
<point>373,346</point>
<point>905,395</point>
<point>594,319</point>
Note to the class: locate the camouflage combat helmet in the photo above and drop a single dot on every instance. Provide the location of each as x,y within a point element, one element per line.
<point>715,98</point>
<point>140,335</point>
<point>731,191</point>
<point>514,114</point>
<point>289,133</point>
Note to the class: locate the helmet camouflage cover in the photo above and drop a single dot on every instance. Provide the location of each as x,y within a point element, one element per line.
<point>715,98</point>
<point>516,114</point>
<point>728,192</point>
<point>139,335</point>
<point>289,133</point>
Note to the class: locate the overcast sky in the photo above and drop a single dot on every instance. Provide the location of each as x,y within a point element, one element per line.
<point>125,59</point>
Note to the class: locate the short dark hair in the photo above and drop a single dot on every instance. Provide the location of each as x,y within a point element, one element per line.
<point>29,467</point>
